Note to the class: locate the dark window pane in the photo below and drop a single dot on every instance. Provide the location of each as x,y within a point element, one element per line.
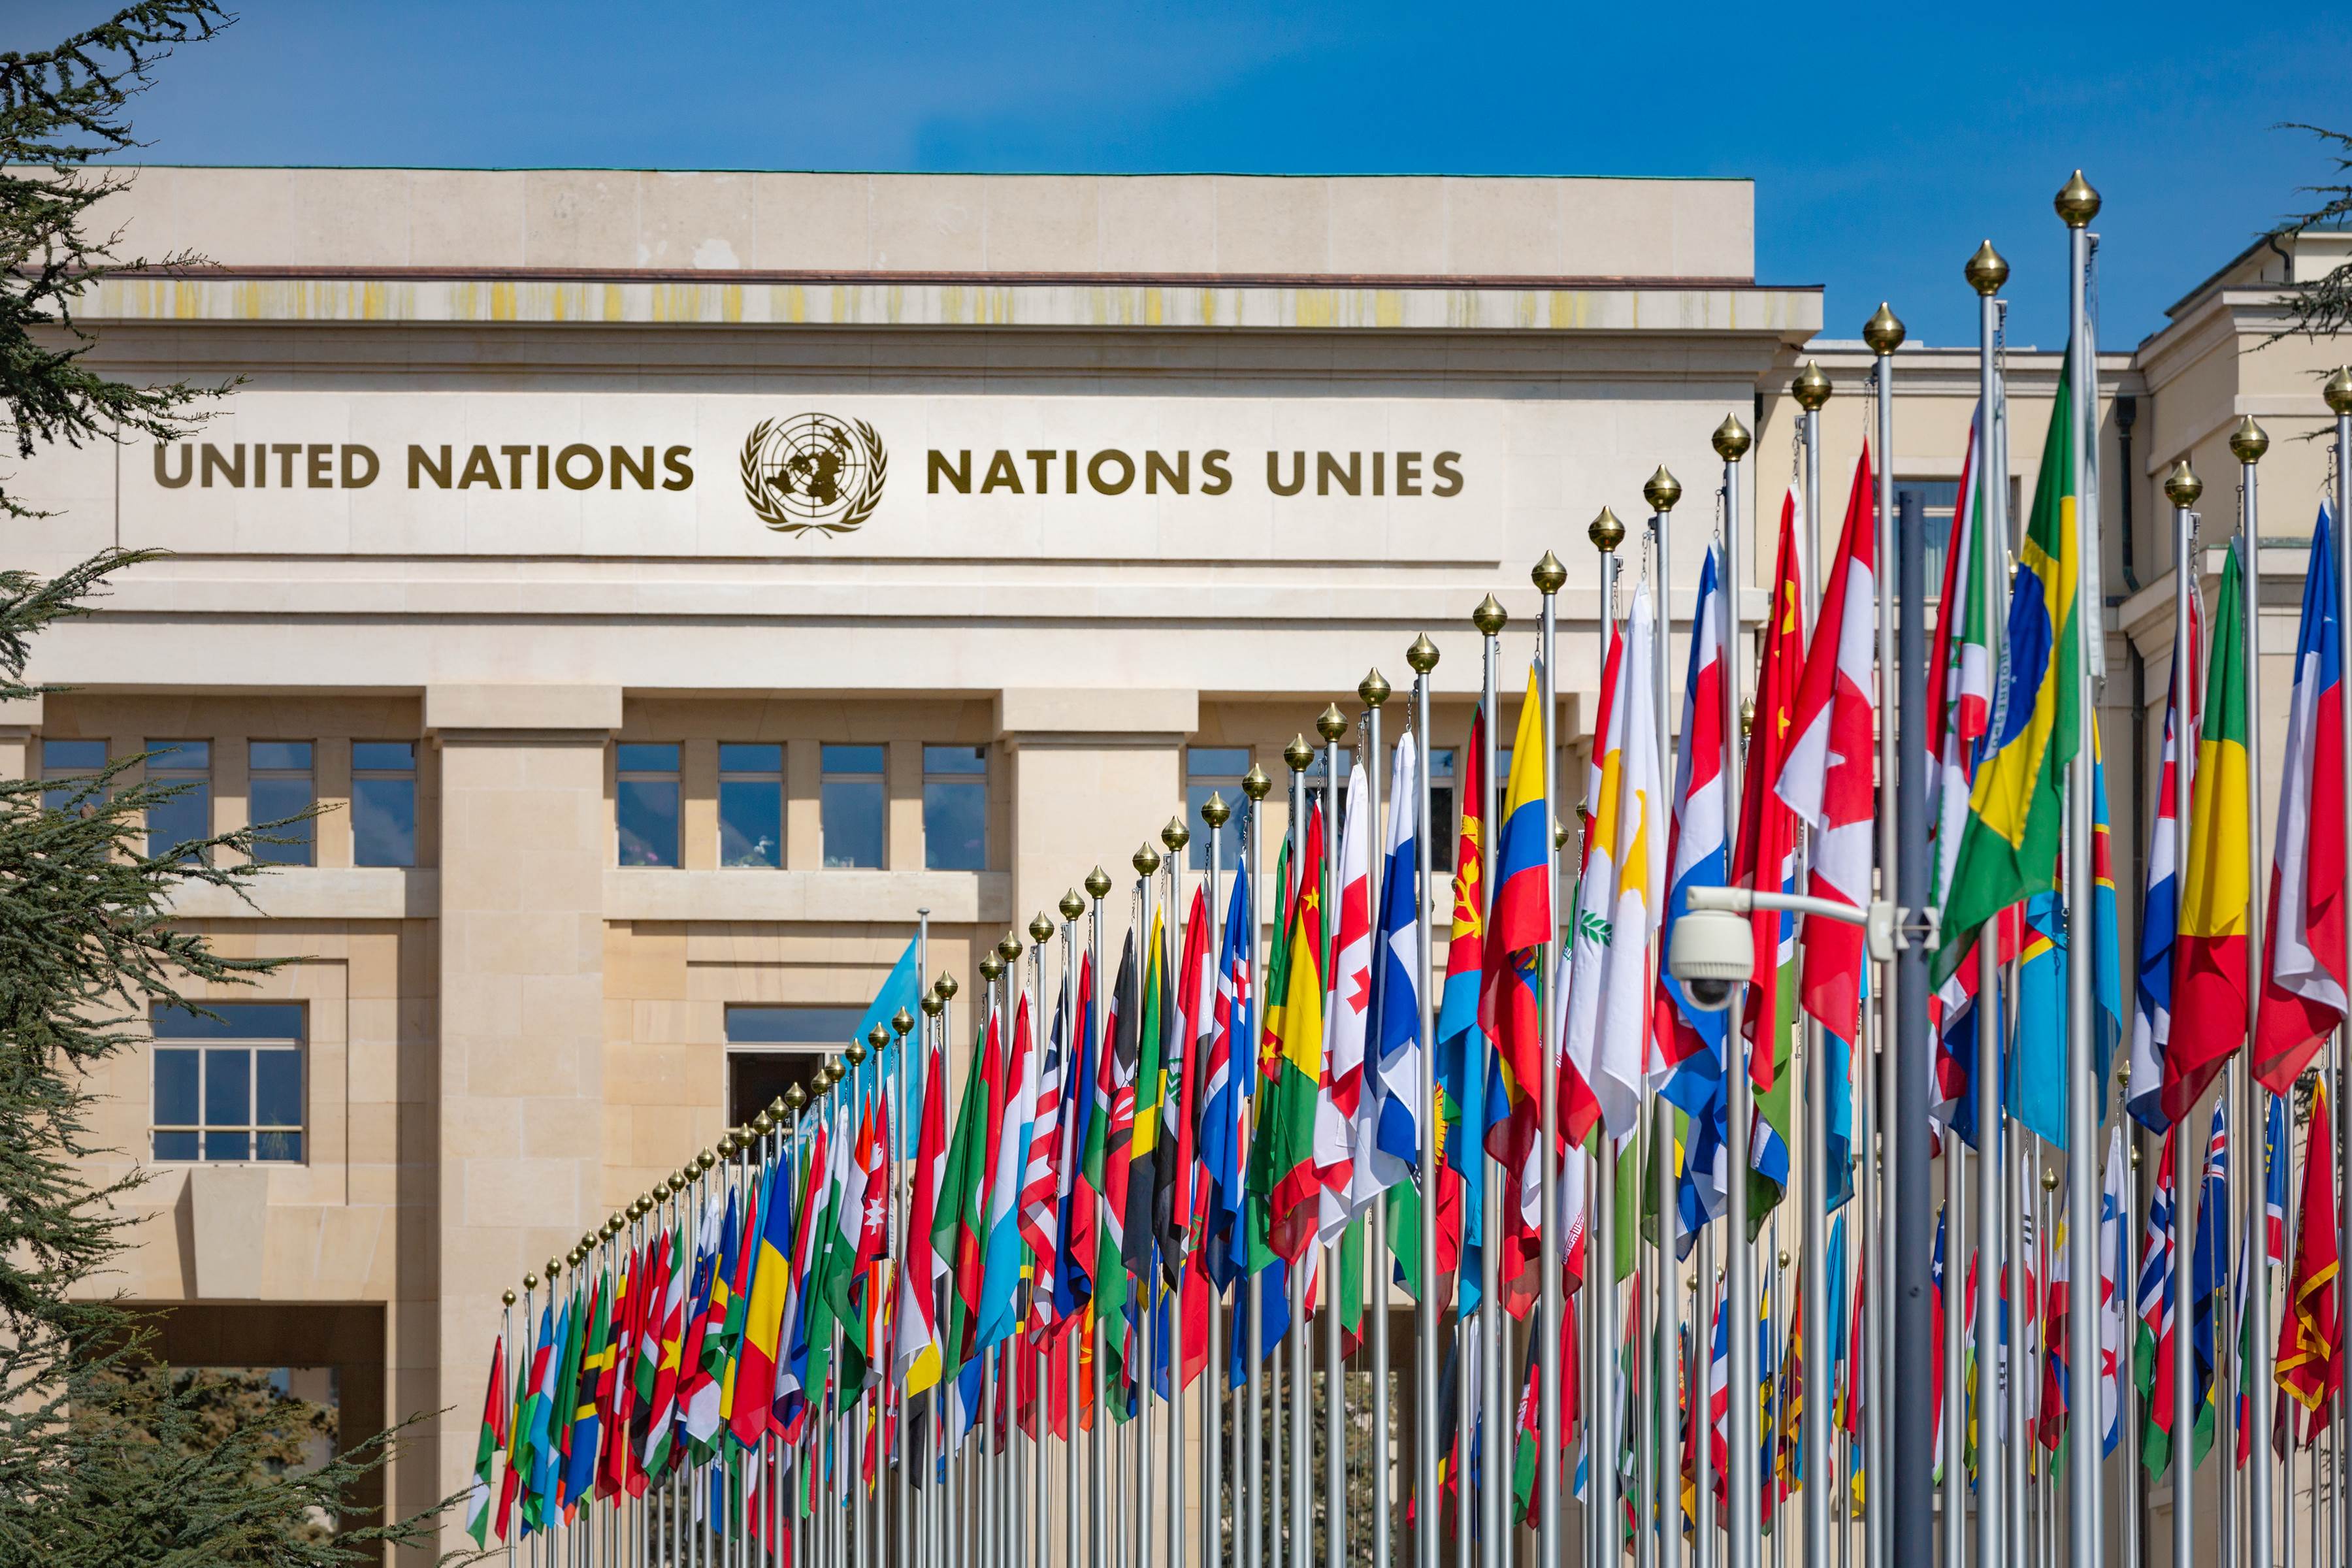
<point>383,821</point>
<point>757,1079</point>
<point>279,755</point>
<point>72,756</point>
<point>637,757</point>
<point>760,1026</point>
<point>1229,837</point>
<point>384,756</point>
<point>228,1088</point>
<point>274,799</point>
<point>228,1146</point>
<point>278,1088</point>
<point>955,759</point>
<point>182,818</point>
<point>850,815</point>
<point>277,1146</point>
<point>955,826</point>
<point>231,1021</point>
<point>180,756</point>
<point>751,758</point>
<point>853,759</point>
<point>175,1087</point>
<point>1443,835</point>
<point>647,810</point>
<point>175,1145</point>
<point>750,822</point>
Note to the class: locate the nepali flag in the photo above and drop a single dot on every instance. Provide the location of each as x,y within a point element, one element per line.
<point>2159,917</point>
<point>1828,780</point>
<point>2304,972</point>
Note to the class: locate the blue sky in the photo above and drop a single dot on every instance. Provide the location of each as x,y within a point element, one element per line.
<point>1885,142</point>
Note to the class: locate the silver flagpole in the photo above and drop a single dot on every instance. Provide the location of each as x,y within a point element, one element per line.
<point>2017,1174</point>
<point>1549,576</point>
<point>895,1393</point>
<point>947,1396</point>
<point>2077,204</point>
<point>1214,815</point>
<point>1731,443</point>
<point>1098,884</point>
<point>1145,860</point>
<point>1252,1545</point>
<point>1883,333</point>
<point>1176,835</point>
<point>2339,394</point>
<point>1375,691</point>
<point>1986,272</point>
<point>988,1466</point>
<point>1331,724</point>
<point>1494,1549</point>
<point>1301,1548</point>
<point>2182,488</point>
<point>1810,389</point>
<point>1422,656</point>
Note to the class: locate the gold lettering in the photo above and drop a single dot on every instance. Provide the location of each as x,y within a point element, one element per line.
<point>1216,478</point>
<point>479,469</point>
<point>1328,472</point>
<point>1001,476</point>
<point>354,477</point>
<point>418,463</point>
<point>187,464</point>
<point>674,461</point>
<point>287,451</point>
<point>958,473</point>
<point>514,457</point>
<point>1449,478</point>
<point>640,470</point>
<point>1180,477</point>
<point>1095,464</point>
<point>1408,473</point>
<point>1379,462</point>
<point>214,459</point>
<point>319,463</point>
<point>587,481</point>
<point>1043,457</point>
<point>1297,473</point>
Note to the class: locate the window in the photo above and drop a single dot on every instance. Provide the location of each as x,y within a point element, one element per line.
<point>645,803</point>
<point>185,817</point>
<point>1444,839</point>
<point>70,760</point>
<point>955,808</point>
<point>278,786</point>
<point>384,803</point>
<point>1937,497</point>
<point>1317,773</point>
<point>768,1049</point>
<point>228,1088</point>
<point>1216,770</point>
<point>751,806</point>
<point>849,806</point>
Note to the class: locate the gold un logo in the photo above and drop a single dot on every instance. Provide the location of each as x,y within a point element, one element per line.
<point>814,471</point>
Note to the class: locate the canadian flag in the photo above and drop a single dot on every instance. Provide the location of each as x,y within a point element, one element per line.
<point>1828,779</point>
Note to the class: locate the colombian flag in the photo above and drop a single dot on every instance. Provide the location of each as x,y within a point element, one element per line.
<point>2210,956</point>
<point>1521,919</point>
<point>2017,809</point>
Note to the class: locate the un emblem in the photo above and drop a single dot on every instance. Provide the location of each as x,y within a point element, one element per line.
<point>814,471</point>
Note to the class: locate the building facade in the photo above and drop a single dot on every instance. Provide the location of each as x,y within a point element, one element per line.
<point>673,582</point>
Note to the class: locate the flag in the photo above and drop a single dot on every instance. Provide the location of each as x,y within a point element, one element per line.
<point>1012,1101</point>
<point>1040,1219</point>
<point>1465,1041</point>
<point>1392,1154</point>
<point>1634,811</point>
<point>2276,1147</point>
<point>2009,846</point>
<point>1764,855</point>
<point>706,1351</point>
<point>587,1424</point>
<point>665,1305</point>
<point>1827,777</point>
<point>2208,1277</point>
<point>1287,1127</point>
<point>2113,1262</point>
<point>1959,705</point>
<point>1195,1016</point>
<point>1347,1014</point>
<point>1077,1199</point>
<point>916,1362</point>
<point>1585,972</point>
<point>764,1319</point>
<point>2210,958</point>
<point>1226,1069</point>
<point>539,1490</point>
<point>2057,1374</point>
<point>901,992</point>
<point>2160,920</point>
<point>1115,1100</point>
<point>493,1439</point>
<point>2310,1346</point>
<point>1688,1042</point>
<point>2153,1350</point>
<point>2304,974</point>
<point>1519,920</point>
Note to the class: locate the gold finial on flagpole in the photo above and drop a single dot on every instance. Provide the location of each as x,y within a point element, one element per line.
<point>1373,688</point>
<point>1810,389</point>
<point>1490,618</point>
<point>1732,439</point>
<point>2182,486</point>
<point>1987,270</point>
<point>2249,441</point>
<point>1661,489</point>
<point>1549,574</point>
<point>1422,655</point>
<point>1884,331</point>
<point>1255,784</point>
<point>1606,532</point>
<point>2076,202</point>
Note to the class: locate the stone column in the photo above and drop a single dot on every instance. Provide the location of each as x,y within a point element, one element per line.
<point>523,854</point>
<point>1094,773</point>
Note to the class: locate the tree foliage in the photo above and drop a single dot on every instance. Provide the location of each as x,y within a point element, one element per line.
<point>59,109</point>
<point>2322,307</point>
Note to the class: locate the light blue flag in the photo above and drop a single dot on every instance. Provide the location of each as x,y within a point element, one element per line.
<point>903,989</point>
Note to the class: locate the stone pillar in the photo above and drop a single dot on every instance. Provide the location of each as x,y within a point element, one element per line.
<point>1094,773</point>
<point>523,856</point>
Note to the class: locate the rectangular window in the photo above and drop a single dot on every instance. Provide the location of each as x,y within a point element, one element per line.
<point>645,802</point>
<point>1444,836</point>
<point>768,1049</point>
<point>71,760</point>
<point>1216,770</point>
<point>955,808</point>
<point>1937,497</point>
<point>278,786</point>
<point>384,803</point>
<point>751,805</point>
<point>185,817</point>
<point>850,806</point>
<point>228,1088</point>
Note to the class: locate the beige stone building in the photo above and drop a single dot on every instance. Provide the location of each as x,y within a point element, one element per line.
<point>673,582</point>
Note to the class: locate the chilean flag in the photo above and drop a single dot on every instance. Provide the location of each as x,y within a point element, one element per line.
<point>2304,974</point>
<point>1828,779</point>
<point>2159,917</point>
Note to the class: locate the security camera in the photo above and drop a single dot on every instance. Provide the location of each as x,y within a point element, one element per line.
<point>1713,950</point>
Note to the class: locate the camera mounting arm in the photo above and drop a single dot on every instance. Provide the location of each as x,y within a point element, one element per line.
<point>1884,924</point>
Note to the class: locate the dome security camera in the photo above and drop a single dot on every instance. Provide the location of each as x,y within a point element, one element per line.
<point>1712,953</point>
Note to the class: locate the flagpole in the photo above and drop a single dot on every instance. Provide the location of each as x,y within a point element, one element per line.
<point>2182,488</point>
<point>1250,1545</point>
<point>1489,619</point>
<point>1731,442</point>
<point>1373,690</point>
<point>1299,755</point>
<point>1548,576</point>
<point>2077,205</point>
<point>1214,815</point>
<point>1331,725</point>
<point>2338,395</point>
<point>1176,835</point>
<point>1422,656</point>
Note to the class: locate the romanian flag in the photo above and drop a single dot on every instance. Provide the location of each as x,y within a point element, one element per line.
<point>2017,807</point>
<point>1294,1018</point>
<point>763,1317</point>
<point>2209,954</point>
